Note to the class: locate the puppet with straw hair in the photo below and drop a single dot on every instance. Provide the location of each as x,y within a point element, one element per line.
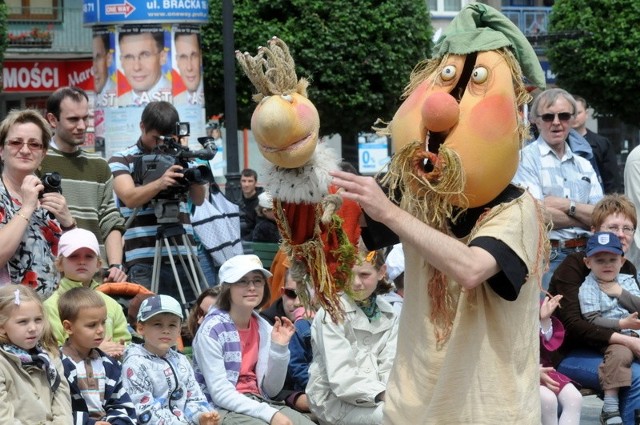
<point>318,231</point>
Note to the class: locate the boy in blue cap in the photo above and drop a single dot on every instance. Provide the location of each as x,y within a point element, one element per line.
<point>612,300</point>
<point>159,379</point>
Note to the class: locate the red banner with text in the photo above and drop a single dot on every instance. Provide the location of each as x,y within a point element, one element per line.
<point>46,76</point>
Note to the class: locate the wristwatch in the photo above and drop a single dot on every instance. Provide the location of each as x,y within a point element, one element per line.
<point>117,266</point>
<point>572,209</point>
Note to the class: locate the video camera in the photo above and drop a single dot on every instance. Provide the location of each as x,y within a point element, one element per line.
<point>151,167</point>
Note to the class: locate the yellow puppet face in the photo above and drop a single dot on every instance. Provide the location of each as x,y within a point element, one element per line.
<point>286,129</point>
<point>482,129</point>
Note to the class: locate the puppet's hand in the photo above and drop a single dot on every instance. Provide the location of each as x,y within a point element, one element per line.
<point>330,204</point>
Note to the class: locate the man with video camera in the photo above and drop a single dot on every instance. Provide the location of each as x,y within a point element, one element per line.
<point>136,192</point>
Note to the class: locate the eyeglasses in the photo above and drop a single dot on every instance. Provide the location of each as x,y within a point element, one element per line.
<point>18,144</point>
<point>145,57</point>
<point>290,293</point>
<point>257,283</point>
<point>626,230</point>
<point>562,116</point>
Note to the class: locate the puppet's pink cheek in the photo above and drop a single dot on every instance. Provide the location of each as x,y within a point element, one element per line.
<point>493,118</point>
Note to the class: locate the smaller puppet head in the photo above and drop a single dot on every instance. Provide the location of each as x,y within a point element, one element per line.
<point>285,123</point>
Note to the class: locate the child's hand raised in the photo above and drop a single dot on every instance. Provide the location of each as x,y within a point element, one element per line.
<point>548,306</point>
<point>282,331</point>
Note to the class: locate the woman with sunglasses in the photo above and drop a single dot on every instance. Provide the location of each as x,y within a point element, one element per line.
<point>31,221</point>
<point>238,357</point>
<point>352,359</point>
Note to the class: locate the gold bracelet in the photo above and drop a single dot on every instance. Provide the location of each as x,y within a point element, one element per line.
<point>23,216</point>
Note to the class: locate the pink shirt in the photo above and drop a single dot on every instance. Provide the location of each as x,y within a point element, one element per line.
<point>250,343</point>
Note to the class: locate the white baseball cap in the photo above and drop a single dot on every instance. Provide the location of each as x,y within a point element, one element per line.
<point>395,262</point>
<point>157,304</point>
<point>265,200</point>
<point>77,238</point>
<point>234,268</point>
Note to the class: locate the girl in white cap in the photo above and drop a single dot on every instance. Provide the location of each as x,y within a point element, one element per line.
<point>239,359</point>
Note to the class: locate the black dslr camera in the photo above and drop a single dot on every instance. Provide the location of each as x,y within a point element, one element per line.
<point>52,183</point>
<point>152,166</point>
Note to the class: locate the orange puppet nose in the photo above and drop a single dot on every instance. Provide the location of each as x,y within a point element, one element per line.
<point>440,112</point>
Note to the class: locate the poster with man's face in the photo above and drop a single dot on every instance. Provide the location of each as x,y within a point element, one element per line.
<point>188,88</point>
<point>144,64</point>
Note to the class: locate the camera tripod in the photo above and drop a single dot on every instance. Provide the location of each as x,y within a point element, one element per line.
<point>171,235</point>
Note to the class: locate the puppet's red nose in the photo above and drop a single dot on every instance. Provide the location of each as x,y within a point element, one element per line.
<point>440,112</point>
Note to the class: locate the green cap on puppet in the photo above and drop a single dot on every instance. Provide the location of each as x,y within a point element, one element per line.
<point>479,28</point>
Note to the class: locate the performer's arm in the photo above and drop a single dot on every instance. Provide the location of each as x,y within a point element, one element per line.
<point>472,266</point>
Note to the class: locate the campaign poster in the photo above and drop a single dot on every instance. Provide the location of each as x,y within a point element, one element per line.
<point>143,54</point>
<point>186,50</point>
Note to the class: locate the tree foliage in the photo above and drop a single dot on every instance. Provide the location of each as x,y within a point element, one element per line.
<point>602,63</point>
<point>358,54</point>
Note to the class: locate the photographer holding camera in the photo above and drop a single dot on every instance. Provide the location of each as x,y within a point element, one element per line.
<point>136,192</point>
<point>32,216</point>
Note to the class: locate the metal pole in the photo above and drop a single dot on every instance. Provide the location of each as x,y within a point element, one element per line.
<point>232,189</point>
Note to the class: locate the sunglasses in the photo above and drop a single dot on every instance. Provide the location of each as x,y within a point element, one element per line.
<point>562,116</point>
<point>290,293</point>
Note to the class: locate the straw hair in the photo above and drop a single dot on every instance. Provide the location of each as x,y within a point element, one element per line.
<point>272,71</point>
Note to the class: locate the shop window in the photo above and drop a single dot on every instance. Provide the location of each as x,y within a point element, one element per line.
<point>33,10</point>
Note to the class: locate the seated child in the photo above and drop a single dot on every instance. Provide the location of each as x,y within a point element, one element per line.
<point>239,358</point>
<point>78,261</point>
<point>560,399</point>
<point>352,359</point>
<point>32,385</point>
<point>610,299</point>
<point>159,379</point>
<point>206,299</point>
<point>95,379</point>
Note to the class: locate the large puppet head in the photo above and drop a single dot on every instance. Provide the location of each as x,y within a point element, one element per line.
<point>459,130</point>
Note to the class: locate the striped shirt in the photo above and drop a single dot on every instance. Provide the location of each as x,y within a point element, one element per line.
<point>140,237</point>
<point>87,185</point>
<point>571,177</point>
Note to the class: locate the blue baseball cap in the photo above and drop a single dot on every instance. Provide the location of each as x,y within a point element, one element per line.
<point>157,304</point>
<point>604,242</point>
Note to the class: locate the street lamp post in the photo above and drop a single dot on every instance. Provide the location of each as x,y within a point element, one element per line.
<point>232,189</point>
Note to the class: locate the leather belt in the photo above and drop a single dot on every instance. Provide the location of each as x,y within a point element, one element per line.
<point>569,243</point>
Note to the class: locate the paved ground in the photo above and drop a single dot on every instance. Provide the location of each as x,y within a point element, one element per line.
<point>591,407</point>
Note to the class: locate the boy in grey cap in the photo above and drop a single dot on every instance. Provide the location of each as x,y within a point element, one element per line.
<point>160,380</point>
<point>611,300</point>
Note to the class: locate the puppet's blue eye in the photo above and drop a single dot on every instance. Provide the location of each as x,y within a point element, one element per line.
<point>480,75</point>
<point>448,73</point>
